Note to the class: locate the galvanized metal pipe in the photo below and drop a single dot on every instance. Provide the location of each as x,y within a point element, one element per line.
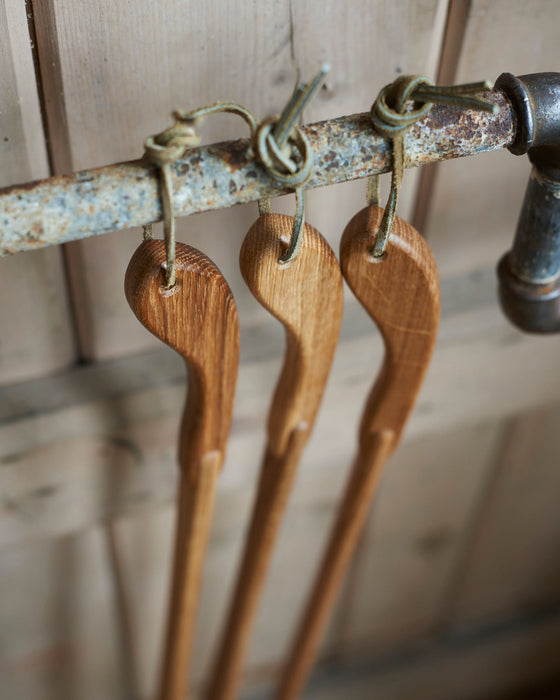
<point>93,202</point>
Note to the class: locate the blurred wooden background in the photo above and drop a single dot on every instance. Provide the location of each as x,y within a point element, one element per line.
<point>455,591</point>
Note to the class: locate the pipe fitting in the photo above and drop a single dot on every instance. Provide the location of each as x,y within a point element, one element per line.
<point>529,275</point>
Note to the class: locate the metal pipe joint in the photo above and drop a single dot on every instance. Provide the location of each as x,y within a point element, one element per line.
<point>529,274</point>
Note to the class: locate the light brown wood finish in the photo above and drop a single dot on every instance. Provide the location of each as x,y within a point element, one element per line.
<point>401,294</point>
<point>197,317</point>
<point>306,297</point>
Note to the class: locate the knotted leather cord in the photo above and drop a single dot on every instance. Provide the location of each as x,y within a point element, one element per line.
<point>285,153</point>
<point>392,114</point>
<point>282,148</point>
<point>167,147</point>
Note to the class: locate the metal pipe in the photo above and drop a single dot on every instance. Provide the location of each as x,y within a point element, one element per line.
<point>93,202</point>
<point>529,275</point>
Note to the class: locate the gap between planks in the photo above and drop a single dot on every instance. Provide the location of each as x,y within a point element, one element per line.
<point>450,54</point>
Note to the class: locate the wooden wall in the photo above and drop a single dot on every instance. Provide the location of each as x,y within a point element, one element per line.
<point>455,589</point>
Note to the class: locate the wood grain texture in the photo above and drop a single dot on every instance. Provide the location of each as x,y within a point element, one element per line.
<point>197,317</point>
<point>401,294</point>
<point>116,423</point>
<point>113,73</point>
<point>306,297</point>
<point>37,336</point>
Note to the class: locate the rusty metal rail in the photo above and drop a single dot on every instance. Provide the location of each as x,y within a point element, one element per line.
<point>92,202</point>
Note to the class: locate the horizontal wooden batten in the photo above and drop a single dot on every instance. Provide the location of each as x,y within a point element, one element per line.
<point>116,423</point>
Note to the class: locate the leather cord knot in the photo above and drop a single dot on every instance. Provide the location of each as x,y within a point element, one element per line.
<point>397,107</point>
<point>164,149</point>
<point>168,146</point>
<point>285,153</point>
<point>390,113</point>
<point>286,159</point>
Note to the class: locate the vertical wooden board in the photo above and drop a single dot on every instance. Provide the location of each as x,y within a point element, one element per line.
<point>113,73</point>
<point>513,563</point>
<point>36,333</point>
<point>416,532</point>
<point>477,200</point>
<point>367,44</point>
<point>58,638</point>
<point>403,569</point>
<point>145,556</point>
<point>145,546</point>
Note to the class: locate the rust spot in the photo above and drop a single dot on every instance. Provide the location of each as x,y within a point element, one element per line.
<point>439,117</point>
<point>35,233</point>
<point>22,188</point>
<point>236,153</point>
<point>344,148</point>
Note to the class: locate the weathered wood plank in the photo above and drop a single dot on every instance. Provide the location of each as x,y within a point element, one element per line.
<point>58,607</point>
<point>104,95</point>
<point>57,619</point>
<point>111,82</point>
<point>477,201</point>
<point>422,541</point>
<point>418,526</point>
<point>457,12</point>
<point>363,58</point>
<point>34,316</point>
<point>512,562</point>
<point>502,663</point>
<point>96,452</point>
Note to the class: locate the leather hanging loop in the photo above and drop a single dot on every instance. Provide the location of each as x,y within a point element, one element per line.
<point>164,149</point>
<point>397,107</point>
<point>285,153</point>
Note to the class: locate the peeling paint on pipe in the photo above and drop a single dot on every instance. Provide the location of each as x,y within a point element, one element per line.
<point>92,202</point>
